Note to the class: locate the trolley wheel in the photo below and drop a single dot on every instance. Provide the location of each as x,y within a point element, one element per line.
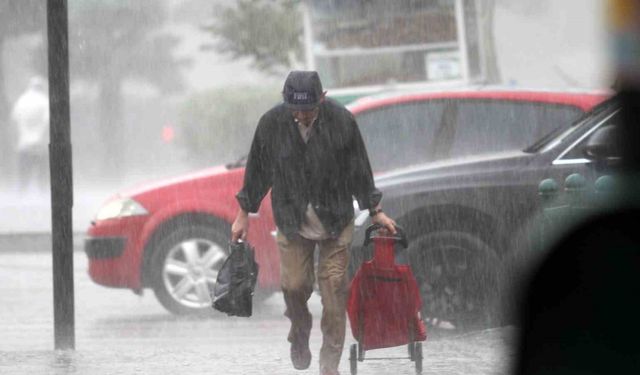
<point>417,355</point>
<point>353,358</point>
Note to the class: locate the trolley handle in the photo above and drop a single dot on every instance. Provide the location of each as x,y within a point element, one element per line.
<point>400,235</point>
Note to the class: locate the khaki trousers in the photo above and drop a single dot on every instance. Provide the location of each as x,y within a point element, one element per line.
<point>297,277</point>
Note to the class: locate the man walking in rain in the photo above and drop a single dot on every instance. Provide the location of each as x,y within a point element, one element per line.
<point>31,117</point>
<point>309,151</point>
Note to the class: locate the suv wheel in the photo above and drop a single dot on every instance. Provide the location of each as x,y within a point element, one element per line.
<point>185,266</point>
<point>458,278</point>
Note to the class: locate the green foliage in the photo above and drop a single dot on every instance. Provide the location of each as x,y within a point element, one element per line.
<point>111,42</point>
<point>217,126</point>
<point>269,31</point>
<point>118,39</point>
<point>19,17</point>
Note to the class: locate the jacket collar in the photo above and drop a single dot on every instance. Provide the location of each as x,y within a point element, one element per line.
<point>324,116</point>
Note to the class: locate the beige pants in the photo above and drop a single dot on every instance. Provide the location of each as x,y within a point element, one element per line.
<point>297,277</point>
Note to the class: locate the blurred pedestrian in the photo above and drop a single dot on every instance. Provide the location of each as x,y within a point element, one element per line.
<point>31,117</point>
<point>309,152</point>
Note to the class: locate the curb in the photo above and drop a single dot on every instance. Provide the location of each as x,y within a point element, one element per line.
<point>34,242</point>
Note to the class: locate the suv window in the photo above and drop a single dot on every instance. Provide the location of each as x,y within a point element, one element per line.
<point>400,135</point>
<point>491,126</point>
<point>405,134</point>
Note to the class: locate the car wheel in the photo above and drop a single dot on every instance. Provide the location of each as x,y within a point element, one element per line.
<point>458,278</point>
<point>185,266</point>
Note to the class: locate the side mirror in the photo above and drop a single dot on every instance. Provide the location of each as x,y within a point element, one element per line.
<point>603,146</point>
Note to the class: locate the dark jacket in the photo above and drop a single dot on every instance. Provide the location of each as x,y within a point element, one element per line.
<point>327,171</point>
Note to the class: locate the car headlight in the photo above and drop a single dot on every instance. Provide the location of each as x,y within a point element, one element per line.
<point>121,207</point>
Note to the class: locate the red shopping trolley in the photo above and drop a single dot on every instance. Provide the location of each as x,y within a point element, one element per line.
<point>384,302</point>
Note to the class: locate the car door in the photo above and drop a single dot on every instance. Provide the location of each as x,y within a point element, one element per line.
<point>562,157</point>
<point>507,127</point>
<point>572,159</point>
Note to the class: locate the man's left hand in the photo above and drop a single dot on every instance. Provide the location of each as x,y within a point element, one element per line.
<point>384,220</point>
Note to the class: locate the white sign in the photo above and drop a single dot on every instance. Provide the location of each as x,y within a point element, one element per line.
<point>442,66</point>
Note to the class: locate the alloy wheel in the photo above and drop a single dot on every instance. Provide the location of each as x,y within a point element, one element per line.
<point>456,280</point>
<point>190,271</point>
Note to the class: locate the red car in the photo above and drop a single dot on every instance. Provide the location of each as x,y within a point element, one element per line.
<point>172,236</point>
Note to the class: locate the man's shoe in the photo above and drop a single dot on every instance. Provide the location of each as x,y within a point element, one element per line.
<point>300,356</point>
<point>329,372</point>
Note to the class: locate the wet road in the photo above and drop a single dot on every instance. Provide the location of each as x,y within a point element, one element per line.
<point>118,332</point>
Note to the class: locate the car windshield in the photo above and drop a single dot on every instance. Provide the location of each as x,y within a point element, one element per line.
<point>558,135</point>
<point>551,138</point>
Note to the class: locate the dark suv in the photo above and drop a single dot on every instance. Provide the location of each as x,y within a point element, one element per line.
<point>467,218</point>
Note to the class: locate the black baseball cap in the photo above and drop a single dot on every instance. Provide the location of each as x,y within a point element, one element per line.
<point>302,90</point>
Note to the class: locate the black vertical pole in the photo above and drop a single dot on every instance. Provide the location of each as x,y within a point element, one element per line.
<point>61,175</point>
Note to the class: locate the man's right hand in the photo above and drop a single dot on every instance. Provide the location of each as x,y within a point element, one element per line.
<point>240,226</point>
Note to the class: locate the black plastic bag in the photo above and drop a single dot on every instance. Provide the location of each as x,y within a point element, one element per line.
<point>236,281</point>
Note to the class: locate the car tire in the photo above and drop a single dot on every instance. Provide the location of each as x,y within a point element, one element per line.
<point>184,268</point>
<point>458,276</point>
